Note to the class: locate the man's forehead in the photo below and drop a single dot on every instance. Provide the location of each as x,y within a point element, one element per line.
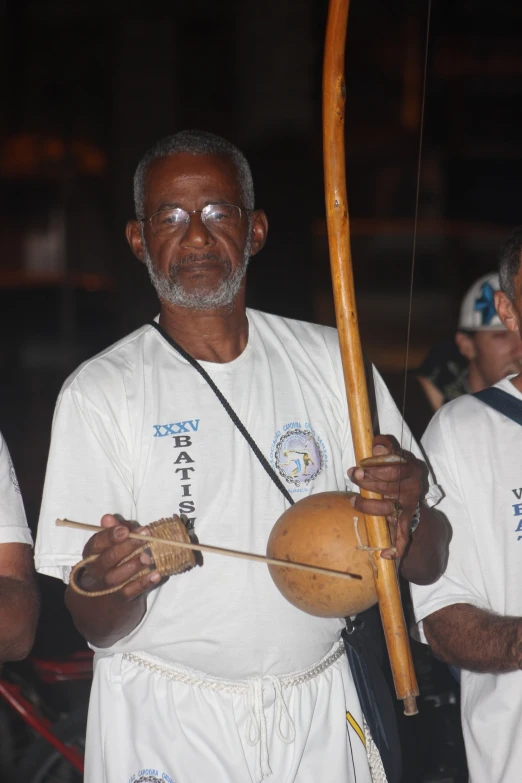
<point>184,176</point>
<point>186,164</point>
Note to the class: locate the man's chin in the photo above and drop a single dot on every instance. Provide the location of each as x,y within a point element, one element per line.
<point>197,298</point>
<point>198,290</point>
<point>513,369</point>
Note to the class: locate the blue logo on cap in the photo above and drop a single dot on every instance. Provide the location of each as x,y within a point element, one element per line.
<point>485,304</point>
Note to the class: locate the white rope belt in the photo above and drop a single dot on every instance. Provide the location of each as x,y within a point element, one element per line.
<point>252,689</point>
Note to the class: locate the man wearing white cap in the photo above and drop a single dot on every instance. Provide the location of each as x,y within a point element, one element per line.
<point>472,616</point>
<point>489,351</point>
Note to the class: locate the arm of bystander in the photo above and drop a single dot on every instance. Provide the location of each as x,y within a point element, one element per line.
<point>474,639</point>
<point>18,601</point>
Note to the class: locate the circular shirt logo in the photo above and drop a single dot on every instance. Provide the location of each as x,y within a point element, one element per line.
<point>298,456</point>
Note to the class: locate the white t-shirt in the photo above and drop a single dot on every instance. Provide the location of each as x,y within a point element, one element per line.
<point>138,432</point>
<point>13,524</point>
<point>476,457</point>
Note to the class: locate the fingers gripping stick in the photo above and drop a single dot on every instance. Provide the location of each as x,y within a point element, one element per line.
<point>378,461</point>
<point>167,560</point>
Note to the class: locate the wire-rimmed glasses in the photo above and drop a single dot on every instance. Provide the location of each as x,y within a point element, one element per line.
<point>217,218</point>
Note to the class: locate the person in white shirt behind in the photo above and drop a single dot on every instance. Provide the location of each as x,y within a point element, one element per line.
<point>472,616</point>
<point>18,593</point>
<point>483,351</point>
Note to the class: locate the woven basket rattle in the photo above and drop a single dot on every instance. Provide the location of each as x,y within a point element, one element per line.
<point>167,560</point>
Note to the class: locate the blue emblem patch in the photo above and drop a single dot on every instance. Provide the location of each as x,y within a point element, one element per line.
<point>485,304</point>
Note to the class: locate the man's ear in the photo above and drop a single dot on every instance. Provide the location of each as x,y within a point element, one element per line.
<point>134,234</point>
<point>506,311</point>
<point>259,231</point>
<point>466,345</point>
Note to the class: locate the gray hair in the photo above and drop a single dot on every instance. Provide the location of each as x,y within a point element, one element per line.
<point>509,262</point>
<point>194,142</point>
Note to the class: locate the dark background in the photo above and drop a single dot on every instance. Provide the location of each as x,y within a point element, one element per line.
<point>87,86</point>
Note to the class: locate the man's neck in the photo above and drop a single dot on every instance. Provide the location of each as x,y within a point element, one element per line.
<point>476,380</point>
<point>517,382</point>
<point>208,335</point>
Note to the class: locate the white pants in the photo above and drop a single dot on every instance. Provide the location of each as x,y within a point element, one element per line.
<point>152,722</point>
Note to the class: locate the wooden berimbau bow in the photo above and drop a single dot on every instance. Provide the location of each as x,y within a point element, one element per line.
<point>346,315</point>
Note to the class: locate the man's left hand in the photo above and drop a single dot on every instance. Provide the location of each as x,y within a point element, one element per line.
<point>402,487</point>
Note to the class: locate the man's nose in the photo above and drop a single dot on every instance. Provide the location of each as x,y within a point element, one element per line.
<point>196,234</point>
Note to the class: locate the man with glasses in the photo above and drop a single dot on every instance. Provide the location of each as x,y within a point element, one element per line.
<point>211,675</point>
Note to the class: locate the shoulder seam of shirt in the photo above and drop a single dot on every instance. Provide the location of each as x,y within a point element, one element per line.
<point>320,328</point>
<point>105,353</point>
<point>76,390</point>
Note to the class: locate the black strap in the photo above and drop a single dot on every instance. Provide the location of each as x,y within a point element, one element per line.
<point>501,401</point>
<point>362,640</point>
<point>235,418</point>
<point>233,415</point>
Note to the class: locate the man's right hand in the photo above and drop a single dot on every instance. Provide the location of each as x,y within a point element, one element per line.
<point>104,620</point>
<point>112,545</point>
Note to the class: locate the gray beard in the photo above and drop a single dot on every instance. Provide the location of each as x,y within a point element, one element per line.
<point>170,290</point>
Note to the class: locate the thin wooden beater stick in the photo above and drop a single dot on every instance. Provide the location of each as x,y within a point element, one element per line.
<point>218,551</point>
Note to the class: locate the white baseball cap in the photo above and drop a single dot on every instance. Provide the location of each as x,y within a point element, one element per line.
<point>477,311</point>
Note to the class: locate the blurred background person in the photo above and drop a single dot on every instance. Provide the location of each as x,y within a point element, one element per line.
<point>18,595</point>
<point>483,351</point>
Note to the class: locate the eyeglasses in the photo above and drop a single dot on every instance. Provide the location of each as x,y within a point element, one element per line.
<point>217,218</point>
